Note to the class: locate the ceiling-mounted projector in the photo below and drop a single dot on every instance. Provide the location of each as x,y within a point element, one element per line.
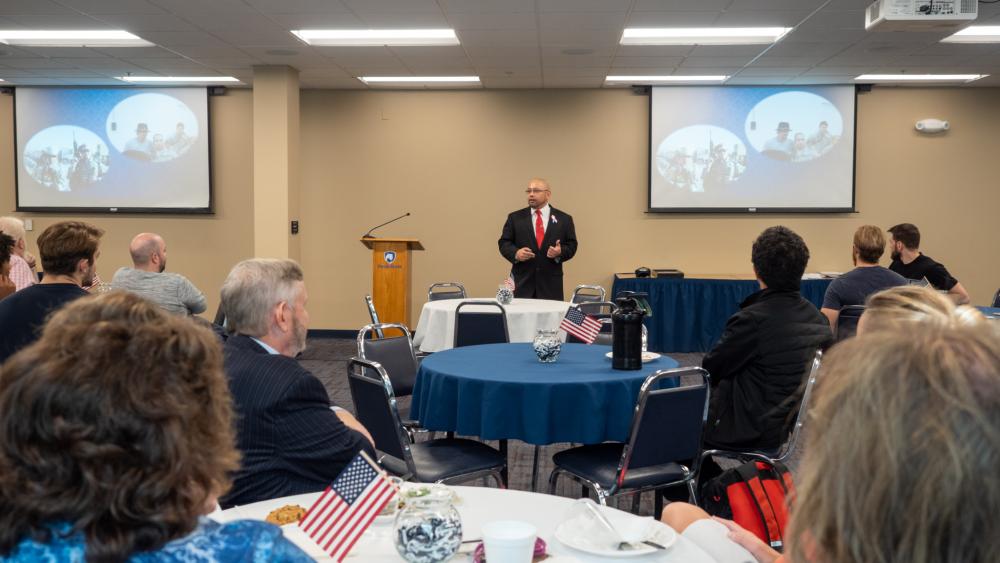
<point>920,15</point>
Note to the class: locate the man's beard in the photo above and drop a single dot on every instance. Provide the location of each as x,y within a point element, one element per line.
<point>163,265</point>
<point>88,279</point>
<point>895,255</point>
<point>299,332</point>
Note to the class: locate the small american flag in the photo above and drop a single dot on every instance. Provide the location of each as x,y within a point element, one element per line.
<point>347,507</point>
<point>509,282</point>
<point>581,326</point>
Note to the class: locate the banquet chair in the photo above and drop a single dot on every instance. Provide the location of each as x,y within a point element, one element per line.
<point>441,460</point>
<point>847,321</point>
<point>800,419</point>
<point>602,311</point>
<point>996,299</point>
<point>373,314</point>
<point>648,460</point>
<point>480,327</point>
<point>445,290</point>
<point>588,294</point>
<point>220,317</point>
<point>395,355</point>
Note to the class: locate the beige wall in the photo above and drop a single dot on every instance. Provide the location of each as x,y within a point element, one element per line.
<point>200,247</point>
<point>459,162</point>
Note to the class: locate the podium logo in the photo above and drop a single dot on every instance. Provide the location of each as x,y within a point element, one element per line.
<point>390,256</point>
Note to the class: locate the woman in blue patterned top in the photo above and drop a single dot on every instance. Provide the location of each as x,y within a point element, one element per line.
<point>115,440</point>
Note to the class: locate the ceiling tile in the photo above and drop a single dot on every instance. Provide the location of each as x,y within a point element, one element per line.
<point>763,18</point>
<point>654,50</point>
<point>139,23</point>
<point>497,37</point>
<point>715,62</point>
<point>647,62</point>
<point>65,21</point>
<point>172,39</point>
<point>493,20</point>
<point>64,52</point>
<point>582,20</point>
<point>672,19</point>
<point>298,6</point>
<point>100,7</point>
<point>584,5</point>
<point>318,20</point>
<point>393,6</point>
<point>682,5</point>
<point>26,7</point>
<point>479,6</point>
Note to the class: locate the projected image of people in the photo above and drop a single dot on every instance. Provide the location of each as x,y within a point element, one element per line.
<point>794,126</point>
<point>152,127</point>
<point>701,158</point>
<point>66,158</point>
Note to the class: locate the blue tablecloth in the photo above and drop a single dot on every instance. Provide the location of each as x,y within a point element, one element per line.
<point>502,391</point>
<point>990,312</point>
<point>689,313</point>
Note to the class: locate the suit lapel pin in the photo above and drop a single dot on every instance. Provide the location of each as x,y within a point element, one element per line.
<point>554,219</point>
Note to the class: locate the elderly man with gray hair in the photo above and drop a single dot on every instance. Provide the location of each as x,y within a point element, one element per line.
<point>291,439</point>
<point>172,292</point>
<point>22,263</point>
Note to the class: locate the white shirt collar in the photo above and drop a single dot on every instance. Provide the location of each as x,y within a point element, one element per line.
<point>546,213</point>
<point>265,346</point>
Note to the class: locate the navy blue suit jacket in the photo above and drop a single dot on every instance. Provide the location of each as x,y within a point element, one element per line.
<point>291,441</point>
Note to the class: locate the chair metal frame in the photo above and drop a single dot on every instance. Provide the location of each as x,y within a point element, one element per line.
<point>996,299</point>
<point>433,286</point>
<point>597,288</point>
<point>786,450</point>
<point>401,435</point>
<point>800,419</point>
<point>589,304</point>
<point>411,426</point>
<point>626,457</point>
<point>503,315</point>
<point>373,314</point>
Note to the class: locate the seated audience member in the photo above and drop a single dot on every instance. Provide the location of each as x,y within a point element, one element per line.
<point>117,439</point>
<point>758,364</point>
<point>291,439</point>
<point>852,288</point>
<point>6,247</point>
<point>68,250</point>
<point>900,472</point>
<point>173,292</point>
<point>894,307</point>
<point>22,264</point>
<point>909,262</point>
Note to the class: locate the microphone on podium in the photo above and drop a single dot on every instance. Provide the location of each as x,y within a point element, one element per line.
<point>369,233</point>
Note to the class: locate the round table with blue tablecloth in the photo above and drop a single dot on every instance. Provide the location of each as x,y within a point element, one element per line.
<point>502,391</point>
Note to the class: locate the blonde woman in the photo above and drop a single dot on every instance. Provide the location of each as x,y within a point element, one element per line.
<point>905,467</point>
<point>912,303</point>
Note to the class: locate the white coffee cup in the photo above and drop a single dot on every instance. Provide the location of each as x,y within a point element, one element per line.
<point>509,541</point>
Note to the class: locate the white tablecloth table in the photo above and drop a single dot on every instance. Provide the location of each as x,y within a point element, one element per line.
<point>477,505</point>
<point>436,327</point>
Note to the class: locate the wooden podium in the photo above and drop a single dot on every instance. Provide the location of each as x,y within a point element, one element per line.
<point>391,277</point>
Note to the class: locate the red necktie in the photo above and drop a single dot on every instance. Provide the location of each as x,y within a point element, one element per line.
<point>539,230</point>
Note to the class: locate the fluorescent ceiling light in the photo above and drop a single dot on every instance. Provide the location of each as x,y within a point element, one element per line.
<point>72,38</point>
<point>185,79</point>
<point>419,79</point>
<point>702,35</point>
<point>975,34</point>
<point>654,79</point>
<point>919,77</point>
<point>377,37</point>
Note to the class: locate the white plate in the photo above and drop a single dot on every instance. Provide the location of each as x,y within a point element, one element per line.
<point>664,535</point>
<point>646,356</point>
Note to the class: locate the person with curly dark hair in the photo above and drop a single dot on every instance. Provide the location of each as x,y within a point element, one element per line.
<point>116,437</point>
<point>760,360</point>
<point>7,286</point>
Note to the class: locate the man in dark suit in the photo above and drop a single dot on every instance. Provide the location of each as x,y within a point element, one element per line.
<point>537,241</point>
<point>291,439</point>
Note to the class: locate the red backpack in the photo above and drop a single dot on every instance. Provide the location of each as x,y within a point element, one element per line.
<point>755,495</point>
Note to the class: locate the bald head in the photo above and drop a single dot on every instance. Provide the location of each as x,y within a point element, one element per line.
<point>538,193</point>
<point>149,252</point>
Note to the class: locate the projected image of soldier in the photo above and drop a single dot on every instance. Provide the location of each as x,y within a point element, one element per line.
<point>822,140</point>
<point>141,146</point>
<point>677,173</point>
<point>84,171</point>
<point>46,171</point>
<point>720,170</point>
<point>801,151</point>
<point>780,147</point>
<point>180,140</point>
<point>161,151</point>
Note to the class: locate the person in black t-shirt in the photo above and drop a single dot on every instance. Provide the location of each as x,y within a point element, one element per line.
<point>68,251</point>
<point>909,262</point>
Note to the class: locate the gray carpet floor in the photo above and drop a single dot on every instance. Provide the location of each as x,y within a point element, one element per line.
<point>327,359</point>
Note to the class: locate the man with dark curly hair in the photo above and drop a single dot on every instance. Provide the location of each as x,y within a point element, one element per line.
<point>758,364</point>
<point>6,248</point>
